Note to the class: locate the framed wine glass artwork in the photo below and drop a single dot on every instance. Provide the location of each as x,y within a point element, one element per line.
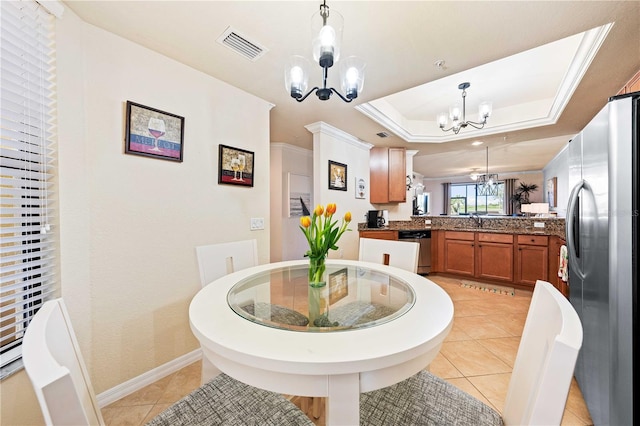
<point>338,285</point>
<point>337,176</point>
<point>235,166</point>
<point>153,133</point>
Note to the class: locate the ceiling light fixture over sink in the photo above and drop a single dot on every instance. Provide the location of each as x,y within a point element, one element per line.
<point>326,51</point>
<point>487,182</point>
<point>458,116</point>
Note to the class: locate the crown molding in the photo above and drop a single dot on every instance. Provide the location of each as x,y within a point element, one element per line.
<point>322,127</point>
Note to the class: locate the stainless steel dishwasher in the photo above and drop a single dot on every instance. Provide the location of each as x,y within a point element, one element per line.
<point>423,237</point>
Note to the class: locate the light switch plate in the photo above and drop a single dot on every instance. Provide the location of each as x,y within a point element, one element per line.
<point>257,223</point>
<point>538,224</point>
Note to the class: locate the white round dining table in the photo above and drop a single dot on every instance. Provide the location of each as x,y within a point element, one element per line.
<point>337,363</point>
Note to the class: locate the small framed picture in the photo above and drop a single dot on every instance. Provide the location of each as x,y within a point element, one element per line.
<point>299,189</point>
<point>361,187</point>
<point>338,285</point>
<point>552,196</point>
<point>337,176</point>
<point>235,166</point>
<point>153,133</point>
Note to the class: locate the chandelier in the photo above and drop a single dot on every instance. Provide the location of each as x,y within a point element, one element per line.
<point>326,51</point>
<point>487,183</point>
<point>458,116</point>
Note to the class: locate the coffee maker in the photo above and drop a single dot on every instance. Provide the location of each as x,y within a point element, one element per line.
<point>375,219</point>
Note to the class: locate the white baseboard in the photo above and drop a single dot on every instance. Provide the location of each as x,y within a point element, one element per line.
<point>112,395</point>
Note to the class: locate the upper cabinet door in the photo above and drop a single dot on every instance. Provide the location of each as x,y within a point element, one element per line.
<point>388,173</point>
<point>397,175</point>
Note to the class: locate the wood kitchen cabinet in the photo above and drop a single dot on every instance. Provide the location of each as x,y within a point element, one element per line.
<point>385,234</point>
<point>632,85</point>
<point>388,175</point>
<point>494,256</point>
<point>480,255</point>
<point>532,259</point>
<point>459,253</point>
<point>519,260</point>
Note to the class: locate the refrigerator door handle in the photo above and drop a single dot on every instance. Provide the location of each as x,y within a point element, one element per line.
<point>569,230</point>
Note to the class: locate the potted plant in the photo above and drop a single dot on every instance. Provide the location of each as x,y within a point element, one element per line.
<point>521,196</point>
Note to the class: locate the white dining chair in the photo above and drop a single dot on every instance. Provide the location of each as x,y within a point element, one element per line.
<point>55,366</point>
<point>401,254</point>
<point>217,260</point>
<point>538,387</point>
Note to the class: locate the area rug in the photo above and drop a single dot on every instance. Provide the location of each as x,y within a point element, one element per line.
<point>490,288</point>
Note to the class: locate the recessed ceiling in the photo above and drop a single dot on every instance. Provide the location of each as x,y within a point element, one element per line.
<point>528,89</point>
<point>400,42</point>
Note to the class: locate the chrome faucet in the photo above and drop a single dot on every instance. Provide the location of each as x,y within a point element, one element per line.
<point>477,218</point>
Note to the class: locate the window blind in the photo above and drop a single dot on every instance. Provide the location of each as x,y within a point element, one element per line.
<point>27,243</point>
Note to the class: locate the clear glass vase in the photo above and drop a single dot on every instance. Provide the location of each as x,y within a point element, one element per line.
<point>316,270</point>
<point>319,307</point>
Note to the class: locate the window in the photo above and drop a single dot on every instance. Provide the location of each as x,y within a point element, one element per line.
<point>27,244</point>
<point>464,199</point>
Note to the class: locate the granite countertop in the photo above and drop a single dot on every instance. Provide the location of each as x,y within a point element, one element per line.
<point>500,225</point>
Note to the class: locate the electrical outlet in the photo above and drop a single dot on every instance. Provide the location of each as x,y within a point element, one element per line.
<point>257,223</point>
<point>538,224</point>
<point>427,221</point>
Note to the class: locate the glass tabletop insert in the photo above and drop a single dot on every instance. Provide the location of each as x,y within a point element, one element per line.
<point>353,297</point>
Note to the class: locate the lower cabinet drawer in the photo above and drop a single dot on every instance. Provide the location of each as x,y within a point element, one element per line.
<point>534,240</point>
<point>380,235</point>
<point>459,235</point>
<point>495,238</point>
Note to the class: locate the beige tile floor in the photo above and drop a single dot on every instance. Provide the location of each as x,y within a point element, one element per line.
<point>477,357</point>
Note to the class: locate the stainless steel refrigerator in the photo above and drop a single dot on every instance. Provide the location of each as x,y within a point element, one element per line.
<point>602,235</point>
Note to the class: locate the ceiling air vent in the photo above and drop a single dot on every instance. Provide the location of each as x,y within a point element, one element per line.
<point>241,44</point>
<point>383,134</point>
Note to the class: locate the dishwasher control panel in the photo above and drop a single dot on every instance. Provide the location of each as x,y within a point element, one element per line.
<point>414,234</point>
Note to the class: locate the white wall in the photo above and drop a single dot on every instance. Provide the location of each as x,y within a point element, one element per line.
<point>287,242</point>
<point>559,167</point>
<point>333,144</point>
<point>129,224</point>
<point>145,216</point>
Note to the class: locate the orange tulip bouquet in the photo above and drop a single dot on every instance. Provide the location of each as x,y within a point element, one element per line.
<point>322,233</point>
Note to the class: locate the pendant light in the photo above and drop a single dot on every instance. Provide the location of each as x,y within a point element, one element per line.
<point>458,116</point>
<point>327,30</point>
<point>487,183</point>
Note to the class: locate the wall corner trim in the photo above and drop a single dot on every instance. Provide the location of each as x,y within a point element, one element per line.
<point>120,391</point>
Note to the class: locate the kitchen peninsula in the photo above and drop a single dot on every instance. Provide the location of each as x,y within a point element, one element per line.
<point>504,250</point>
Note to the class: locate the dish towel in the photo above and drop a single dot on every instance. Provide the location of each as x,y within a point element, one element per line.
<point>563,270</point>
